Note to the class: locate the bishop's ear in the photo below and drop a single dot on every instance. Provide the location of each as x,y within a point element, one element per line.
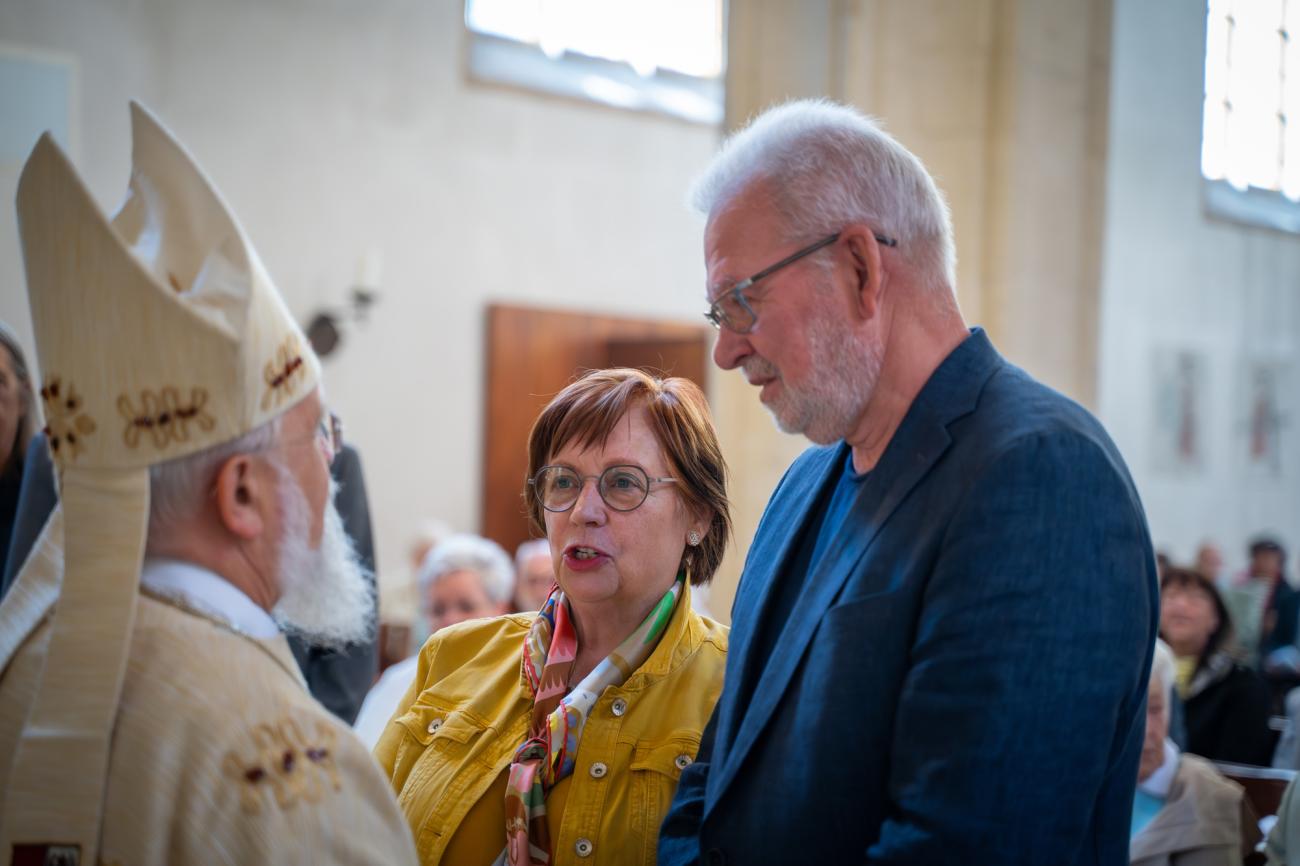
<point>245,492</point>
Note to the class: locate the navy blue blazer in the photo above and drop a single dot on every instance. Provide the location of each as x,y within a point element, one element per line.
<point>963,678</point>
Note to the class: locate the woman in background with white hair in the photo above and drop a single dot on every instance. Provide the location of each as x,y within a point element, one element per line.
<point>464,577</point>
<point>1185,813</point>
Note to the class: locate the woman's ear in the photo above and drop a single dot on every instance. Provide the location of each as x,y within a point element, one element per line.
<point>242,496</point>
<point>701,521</point>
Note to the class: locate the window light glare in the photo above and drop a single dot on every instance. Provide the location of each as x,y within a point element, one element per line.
<point>1251,125</point>
<point>684,36</point>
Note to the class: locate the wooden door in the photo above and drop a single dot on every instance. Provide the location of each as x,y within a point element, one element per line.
<point>532,354</point>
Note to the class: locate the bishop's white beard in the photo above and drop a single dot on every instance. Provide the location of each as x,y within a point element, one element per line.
<point>324,594</point>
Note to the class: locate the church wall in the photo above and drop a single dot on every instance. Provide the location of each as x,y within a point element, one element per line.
<point>1179,284</point>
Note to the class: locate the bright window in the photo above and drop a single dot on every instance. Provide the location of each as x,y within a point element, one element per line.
<point>659,55</point>
<point>1250,141</point>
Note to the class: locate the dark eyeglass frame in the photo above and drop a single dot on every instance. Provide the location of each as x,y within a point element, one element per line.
<point>719,318</point>
<point>536,484</point>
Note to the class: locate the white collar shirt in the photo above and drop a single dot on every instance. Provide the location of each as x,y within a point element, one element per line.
<point>209,593</point>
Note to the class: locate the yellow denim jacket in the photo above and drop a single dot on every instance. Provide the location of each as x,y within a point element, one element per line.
<point>468,711</point>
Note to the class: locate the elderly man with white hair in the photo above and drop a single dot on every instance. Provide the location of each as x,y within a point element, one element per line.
<point>962,556</point>
<point>465,577</point>
<point>1185,812</point>
<point>151,711</point>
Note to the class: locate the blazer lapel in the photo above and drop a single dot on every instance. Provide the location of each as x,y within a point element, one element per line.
<point>921,439</point>
<point>781,527</point>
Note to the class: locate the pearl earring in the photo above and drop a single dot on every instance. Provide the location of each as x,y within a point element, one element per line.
<point>693,539</point>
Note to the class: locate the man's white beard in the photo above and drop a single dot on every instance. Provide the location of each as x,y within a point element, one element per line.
<point>845,373</point>
<point>325,595</point>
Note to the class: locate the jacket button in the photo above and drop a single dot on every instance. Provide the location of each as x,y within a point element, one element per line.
<point>434,726</point>
<point>619,707</point>
<point>583,847</point>
<point>682,761</point>
<point>716,857</point>
<point>598,770</point>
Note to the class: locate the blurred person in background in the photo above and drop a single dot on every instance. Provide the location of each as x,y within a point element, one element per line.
<point>1185,813</point>
<point>1283,845</point>
<point>465,577</point>
<point>1263,605</point>
<point>17,421</point>
<point>1209,562</point>
<point>408,603</point>
<point>1226,704</point>
<point>561,734</point>
<point>534,575</point>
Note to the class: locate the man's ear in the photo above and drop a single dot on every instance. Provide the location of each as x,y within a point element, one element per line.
<point>864,253</point>
<point>242,495</point>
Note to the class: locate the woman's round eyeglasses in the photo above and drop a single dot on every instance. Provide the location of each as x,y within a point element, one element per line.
<point>623,488</point>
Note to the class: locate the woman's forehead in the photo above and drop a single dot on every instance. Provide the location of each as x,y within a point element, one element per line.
<point>630,439</point>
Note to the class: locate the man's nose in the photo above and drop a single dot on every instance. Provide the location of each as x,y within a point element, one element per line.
<point>730,349</point>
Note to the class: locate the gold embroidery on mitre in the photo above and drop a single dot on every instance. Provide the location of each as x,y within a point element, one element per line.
<point>163,416</point>
<point>67,424</point>
<point>284,763</point>
<point>283,373</point>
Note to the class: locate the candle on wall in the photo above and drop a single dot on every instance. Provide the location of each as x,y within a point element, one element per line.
<point>370,268</point>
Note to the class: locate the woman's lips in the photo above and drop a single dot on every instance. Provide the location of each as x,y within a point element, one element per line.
<point>574,562</point>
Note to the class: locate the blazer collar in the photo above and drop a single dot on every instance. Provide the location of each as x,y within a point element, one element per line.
<point>951,392</point>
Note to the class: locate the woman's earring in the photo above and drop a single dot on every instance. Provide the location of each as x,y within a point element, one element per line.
<point>693,539</point>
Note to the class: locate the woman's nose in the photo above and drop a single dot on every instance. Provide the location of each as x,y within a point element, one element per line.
<point>589,508</point>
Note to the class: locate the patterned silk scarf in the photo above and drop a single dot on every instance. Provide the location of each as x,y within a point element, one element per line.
<point>547,756</point>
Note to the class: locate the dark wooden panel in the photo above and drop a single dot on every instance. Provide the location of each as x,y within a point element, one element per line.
<point>670,357</point>
<point>531,355</point>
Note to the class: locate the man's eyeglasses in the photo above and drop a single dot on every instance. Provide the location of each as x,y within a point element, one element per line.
<point>732,310</point>
<point>623,488</point>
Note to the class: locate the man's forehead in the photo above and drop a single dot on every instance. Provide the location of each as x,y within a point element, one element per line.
<point>737,234</point>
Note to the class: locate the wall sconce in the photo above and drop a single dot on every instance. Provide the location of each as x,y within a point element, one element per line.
<point>326,329</point>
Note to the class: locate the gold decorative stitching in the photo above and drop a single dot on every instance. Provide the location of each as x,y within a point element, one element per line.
<point>163,416</point>
<point>67,425</point>
<point>282,374</point>
<point>284,763</point>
